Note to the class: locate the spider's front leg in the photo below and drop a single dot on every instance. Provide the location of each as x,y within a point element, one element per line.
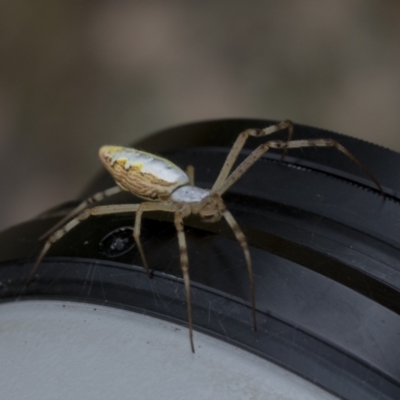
<point>280,144</point>
<point>240,142</point>
<point>277,144</point>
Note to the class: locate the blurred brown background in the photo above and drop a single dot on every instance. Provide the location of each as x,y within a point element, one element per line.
<point>78,74</point>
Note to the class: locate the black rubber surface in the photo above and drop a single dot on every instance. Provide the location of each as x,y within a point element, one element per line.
<point>324,243</point>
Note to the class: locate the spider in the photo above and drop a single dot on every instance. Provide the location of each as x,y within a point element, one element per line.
<point>166,187</point>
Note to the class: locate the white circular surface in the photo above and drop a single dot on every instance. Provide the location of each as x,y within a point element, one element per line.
<point>64,350</point>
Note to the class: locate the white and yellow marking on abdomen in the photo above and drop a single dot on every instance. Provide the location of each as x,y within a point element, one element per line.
<point>143,174</point>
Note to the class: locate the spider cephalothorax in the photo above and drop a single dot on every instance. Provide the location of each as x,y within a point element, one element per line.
<point>211,208</point>
<point>166,187</point>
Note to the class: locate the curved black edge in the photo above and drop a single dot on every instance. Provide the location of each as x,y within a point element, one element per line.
<point>325,250</point>
<point>216,313</point>
<point>223,132</point>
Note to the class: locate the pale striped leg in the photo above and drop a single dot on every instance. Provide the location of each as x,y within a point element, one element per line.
<point>279,144</point>
<point>136,236</point>
<point>243,243</point>
<point>179,215</point>
<point>328,143</point>
<point>138,221</point>
<point>239,143</point>
<point>100,210</point>
<point>190,174</point>
<point>91,200</point>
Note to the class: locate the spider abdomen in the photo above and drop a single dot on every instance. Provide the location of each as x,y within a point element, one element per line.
<point>143,174</point>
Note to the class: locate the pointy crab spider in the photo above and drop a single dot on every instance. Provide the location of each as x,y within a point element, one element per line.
<point>165,187</point>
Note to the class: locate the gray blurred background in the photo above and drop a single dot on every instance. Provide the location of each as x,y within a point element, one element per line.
<point>78,74</point>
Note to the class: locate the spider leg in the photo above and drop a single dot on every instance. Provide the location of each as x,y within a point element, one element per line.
<point>279,144</point>
<point>179,215</point>
<point>190,174</point>
<point>243,243</point>
<point>289,139</point>
<point>136,236</point>
<point>328,143</point>
<point>99,210</point>
<point>239,143</point>
<point>242,168</point>
<point>91,200</point>
<point>138,219</point>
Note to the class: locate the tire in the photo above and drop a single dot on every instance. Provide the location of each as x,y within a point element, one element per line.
<point>324,244</point>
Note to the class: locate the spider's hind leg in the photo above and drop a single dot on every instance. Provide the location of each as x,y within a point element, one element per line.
<point>99,210</point>
<point>89,201</point>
